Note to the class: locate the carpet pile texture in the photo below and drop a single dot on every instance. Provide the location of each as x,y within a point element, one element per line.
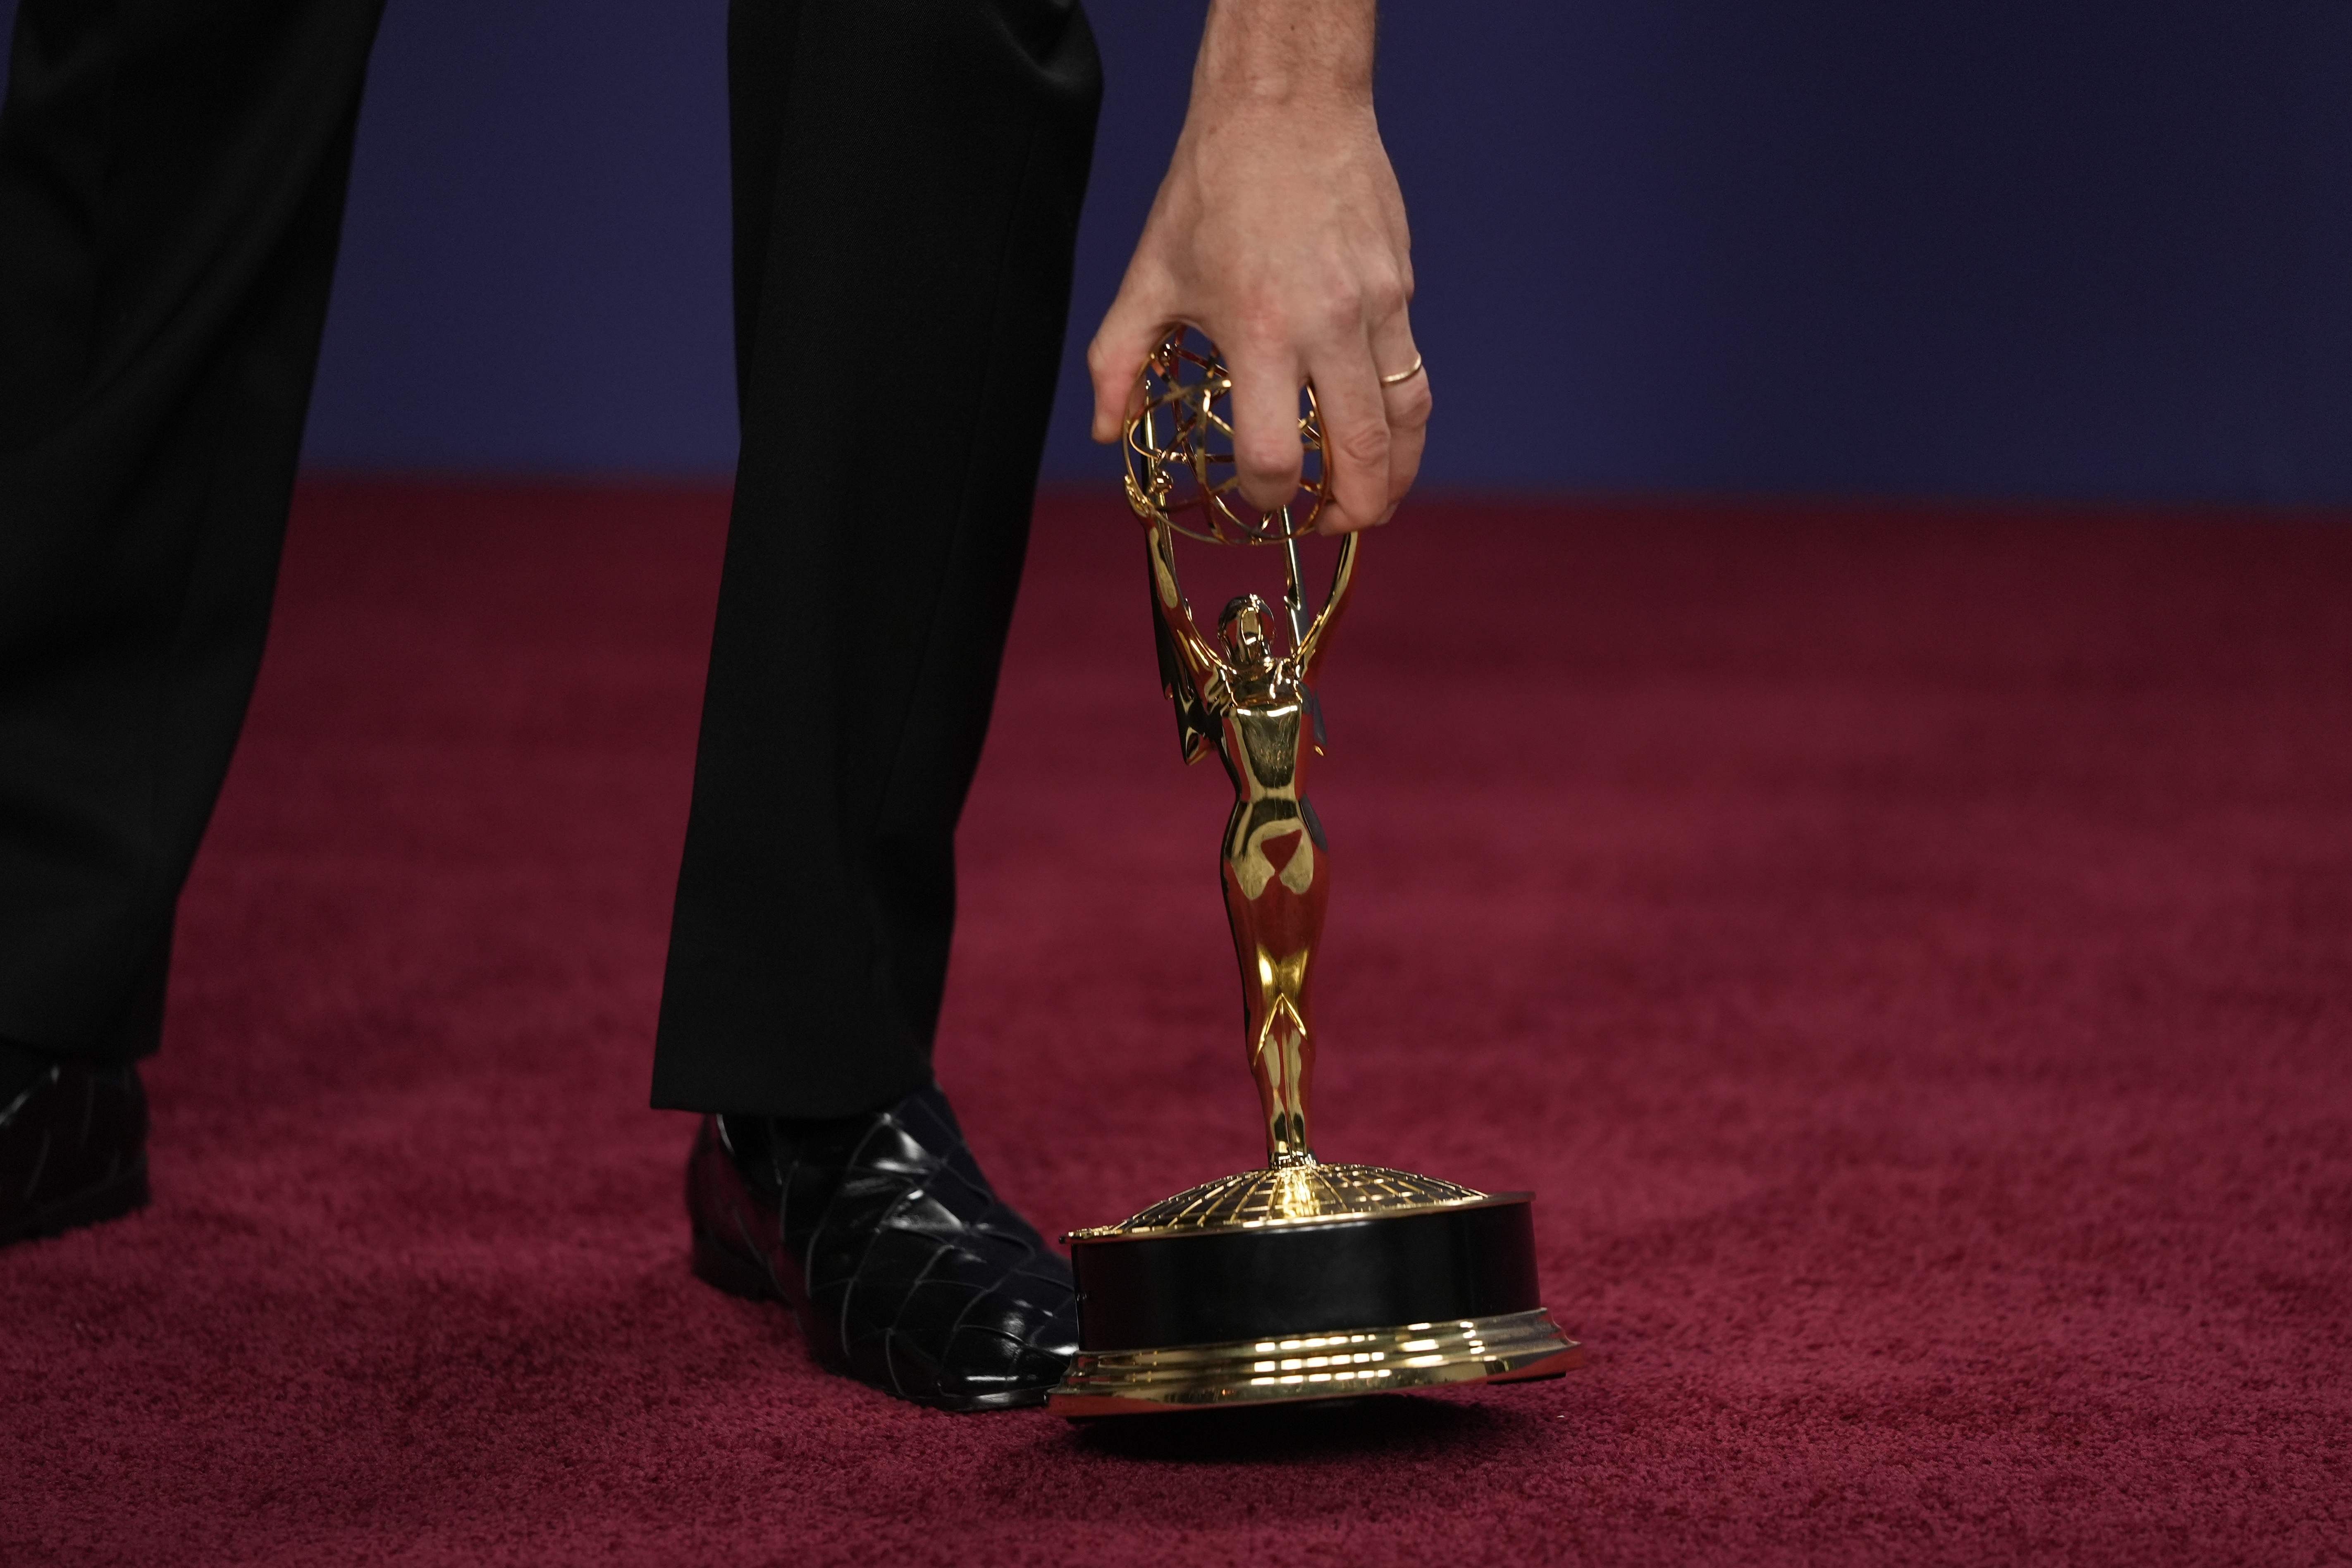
<point>1908,952</point>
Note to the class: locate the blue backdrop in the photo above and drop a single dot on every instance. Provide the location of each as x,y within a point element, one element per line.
<point>2101,248</point>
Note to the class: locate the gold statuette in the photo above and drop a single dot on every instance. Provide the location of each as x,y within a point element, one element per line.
<point>1301,1281</point>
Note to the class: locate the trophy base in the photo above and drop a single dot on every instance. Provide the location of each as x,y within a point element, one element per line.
<point>1175,1314</point>
<point>1515,1347</point>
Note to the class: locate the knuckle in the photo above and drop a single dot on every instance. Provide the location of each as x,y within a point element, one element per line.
<point>1260,325</point>
<point>1367,445</point>
<point>1333,306</point>
<point>1103,362</point>
<point>1267,472</point>
<point>1342,312</point>
<point>1410,405</point>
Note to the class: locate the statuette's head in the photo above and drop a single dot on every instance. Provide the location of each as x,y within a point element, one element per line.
<point>1243,627</point>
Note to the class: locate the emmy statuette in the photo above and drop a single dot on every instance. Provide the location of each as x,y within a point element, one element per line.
<point>1302,1280</point>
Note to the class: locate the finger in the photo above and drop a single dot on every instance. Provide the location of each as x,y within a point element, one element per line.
<point>1131,329</point>
<point>1356,440</point>
<point>1405,397</point>
<point>1265,404</point>
<point>1408,407</point>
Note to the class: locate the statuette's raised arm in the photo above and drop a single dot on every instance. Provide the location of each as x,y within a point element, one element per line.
<point>1311,646</point>
<point>1193,675</point>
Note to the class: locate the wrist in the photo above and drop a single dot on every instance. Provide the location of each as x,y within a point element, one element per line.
<point>1310,55</point>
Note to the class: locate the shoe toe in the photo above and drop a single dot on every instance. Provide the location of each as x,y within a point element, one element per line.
<point>993,1321</point>
<point>906,1270</point>
<point>1006,1353</point>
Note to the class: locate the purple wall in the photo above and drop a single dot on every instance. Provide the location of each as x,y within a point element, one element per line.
<point>2096,250</point>
<point>534,273</point>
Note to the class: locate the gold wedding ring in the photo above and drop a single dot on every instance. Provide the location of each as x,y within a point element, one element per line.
<point>1401,377</point>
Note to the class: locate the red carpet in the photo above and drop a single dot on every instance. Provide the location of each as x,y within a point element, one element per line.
<point>1909,954</point>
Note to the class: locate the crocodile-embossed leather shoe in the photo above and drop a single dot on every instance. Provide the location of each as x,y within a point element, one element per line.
<point>73,1150</point>
<point>905,1270</point>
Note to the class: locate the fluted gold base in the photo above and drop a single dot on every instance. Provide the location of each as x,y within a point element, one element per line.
<point>1290,1194</point>
<point>1510,1348</point>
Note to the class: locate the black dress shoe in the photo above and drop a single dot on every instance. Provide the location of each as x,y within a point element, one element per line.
<point>73,1150</point>
<point>880,1232</point>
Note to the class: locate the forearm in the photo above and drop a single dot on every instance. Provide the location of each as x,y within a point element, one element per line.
<point>1296,53</point>
<point>1281,234</point>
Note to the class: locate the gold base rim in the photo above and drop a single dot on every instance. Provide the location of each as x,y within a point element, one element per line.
<point>1512,1347</point>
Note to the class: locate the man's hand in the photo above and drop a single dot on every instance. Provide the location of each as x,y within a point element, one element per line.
<point>1280,233</point>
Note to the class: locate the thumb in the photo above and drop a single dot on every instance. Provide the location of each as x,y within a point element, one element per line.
<point>1131,331</point>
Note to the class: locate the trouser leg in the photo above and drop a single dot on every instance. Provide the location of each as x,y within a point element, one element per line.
<point>172,183</point>
<point>908,179</point>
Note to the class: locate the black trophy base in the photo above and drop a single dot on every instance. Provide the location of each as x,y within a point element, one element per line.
<point>1238,1314</point>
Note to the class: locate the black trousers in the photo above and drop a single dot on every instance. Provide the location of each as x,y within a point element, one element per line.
<point>908,175</point>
